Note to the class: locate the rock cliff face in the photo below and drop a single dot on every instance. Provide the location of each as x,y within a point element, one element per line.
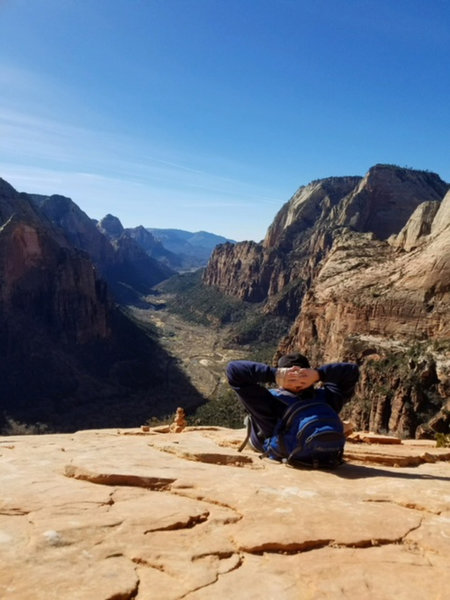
<point>66,351</point>
<point>154,247</point>
<point>45,277</point>
<point>242,270</point>
<point>418,226</point>
<point>369,262</point>
<point>364,287</point>
<point>258,272</point>
<point>391,309</point>
<point>125,265</point>
<point>385,199</point>
<point>304,229</point>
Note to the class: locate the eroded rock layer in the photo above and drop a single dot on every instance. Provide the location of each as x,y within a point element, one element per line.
<point>303,231</point>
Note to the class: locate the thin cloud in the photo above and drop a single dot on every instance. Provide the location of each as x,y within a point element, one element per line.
<point>105,171</point>
<point>27,138</point>
<point>149,205</point>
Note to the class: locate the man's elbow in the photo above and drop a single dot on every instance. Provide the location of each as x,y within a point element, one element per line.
<point>355,373</point>
<point>231,372</point>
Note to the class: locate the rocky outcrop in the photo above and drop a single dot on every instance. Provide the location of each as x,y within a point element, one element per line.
<point>45,278</point>
<point>442,218</point>
<point>110,226</point>
<point>137,261</point>
<point>368,289</point>
<point>429,218</point>
<point>66,352</point>
<point>127,268</point>
<point>418,226</point>
<point>362,267</point>
<point>303,231</point>
<point>385,199</point>
<point>308,207</point>
<point>370,300</point>
<point>243,270</point>
<point>133,270</point>
<point>259,272</point>
<point>123,514</point>
<point>154,248</point>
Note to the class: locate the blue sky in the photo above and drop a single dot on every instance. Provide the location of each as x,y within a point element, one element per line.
<point>209,114</point>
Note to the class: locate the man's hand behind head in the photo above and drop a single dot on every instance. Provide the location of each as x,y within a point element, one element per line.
<point>295,379</point>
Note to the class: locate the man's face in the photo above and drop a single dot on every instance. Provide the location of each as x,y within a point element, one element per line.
<point>292,382</point>
<point>297,379</point>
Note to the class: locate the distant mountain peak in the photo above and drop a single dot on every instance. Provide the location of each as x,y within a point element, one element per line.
<point>111,226</point>
<point>194,248</point>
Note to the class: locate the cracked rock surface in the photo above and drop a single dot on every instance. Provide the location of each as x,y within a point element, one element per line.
<point>116,515</point>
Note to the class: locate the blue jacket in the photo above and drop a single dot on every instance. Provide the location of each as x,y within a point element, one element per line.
<point>338,381</point>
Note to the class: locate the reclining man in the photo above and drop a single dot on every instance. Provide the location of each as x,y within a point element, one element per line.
<point>295,380</point>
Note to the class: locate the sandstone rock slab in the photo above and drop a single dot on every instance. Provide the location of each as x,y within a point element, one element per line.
<point>109,514</point>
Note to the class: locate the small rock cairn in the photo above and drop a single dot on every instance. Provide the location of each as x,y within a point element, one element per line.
<point>179,421</point>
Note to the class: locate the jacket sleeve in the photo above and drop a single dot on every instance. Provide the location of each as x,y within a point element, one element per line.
<point>242,373</point>
<point>339,382</point>
<point>247,379</point>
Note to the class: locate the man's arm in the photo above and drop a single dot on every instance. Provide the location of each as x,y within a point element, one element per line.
<point>247,378</point>
<point>242,373</point>
<point>339,381</point>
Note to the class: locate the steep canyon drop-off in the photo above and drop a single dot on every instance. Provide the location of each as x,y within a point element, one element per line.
<point>69,357</point>
<point>360,267</point>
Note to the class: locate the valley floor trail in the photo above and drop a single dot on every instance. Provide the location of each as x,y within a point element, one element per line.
<point>199,350</point>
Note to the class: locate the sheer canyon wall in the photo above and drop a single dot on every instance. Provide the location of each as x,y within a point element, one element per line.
<point>362,266</point>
